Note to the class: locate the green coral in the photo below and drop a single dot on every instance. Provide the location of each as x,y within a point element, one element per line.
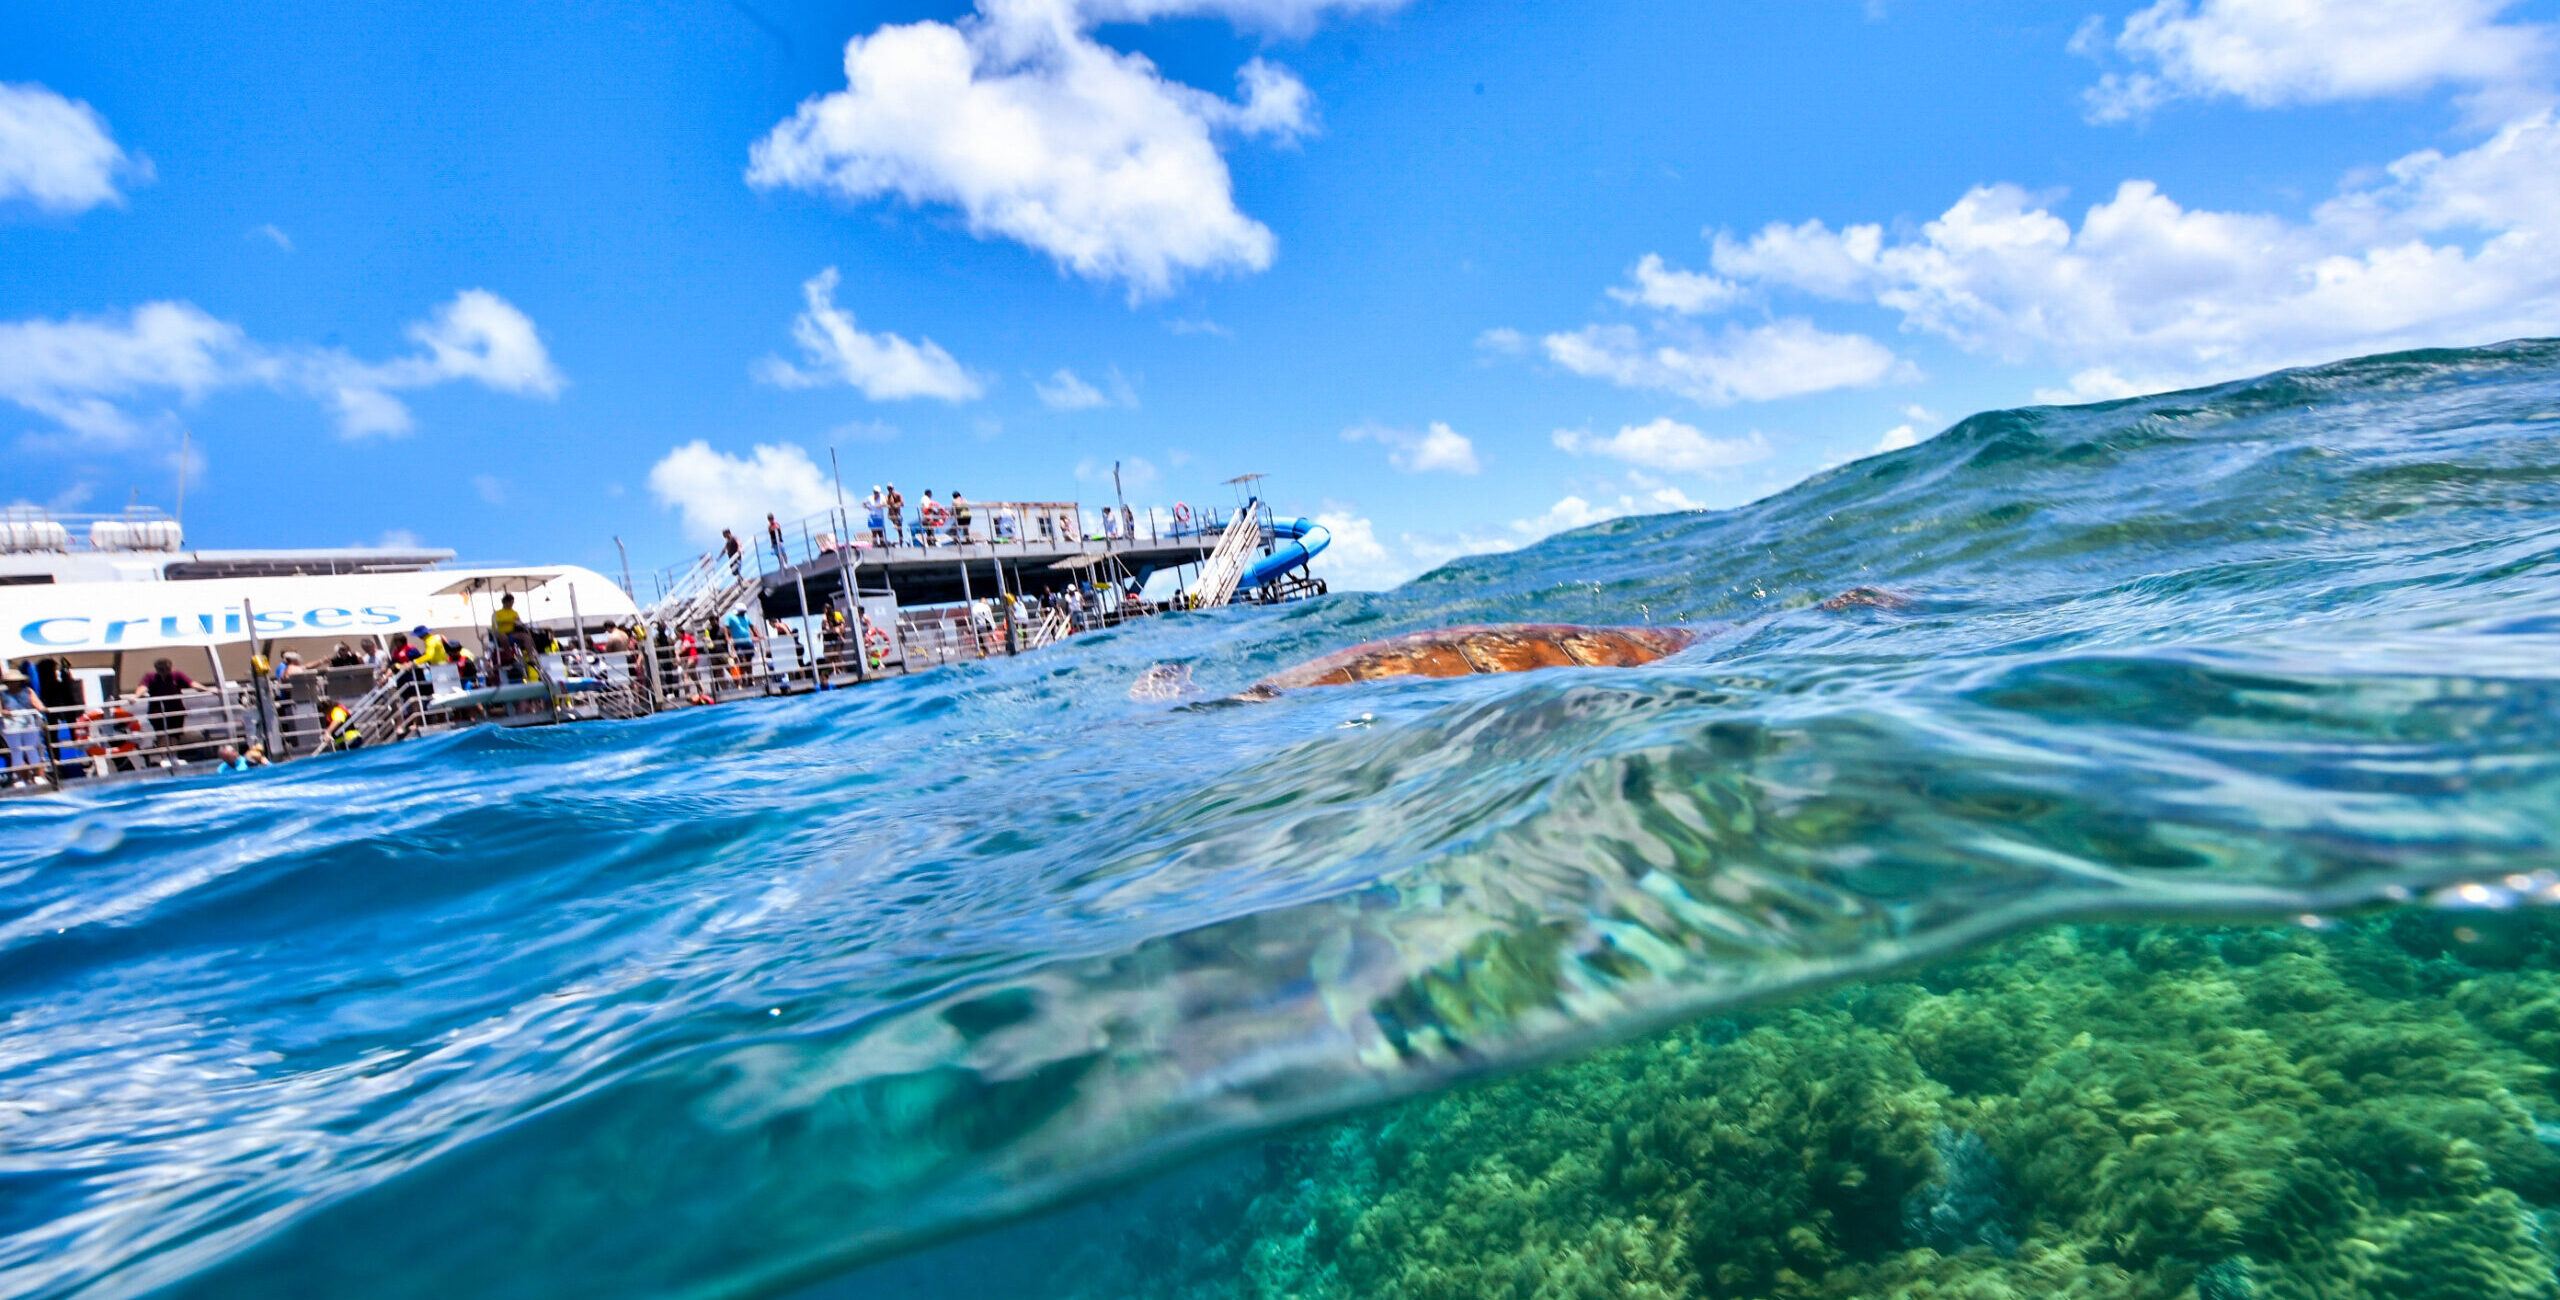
<point>2289,1114</point>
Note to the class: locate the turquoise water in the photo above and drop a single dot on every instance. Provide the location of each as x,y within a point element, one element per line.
<point>729,1001</point>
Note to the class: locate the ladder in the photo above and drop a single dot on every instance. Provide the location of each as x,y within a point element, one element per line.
<point>1226,566</point>
<point>1052,627</point>
<point>704,595</point>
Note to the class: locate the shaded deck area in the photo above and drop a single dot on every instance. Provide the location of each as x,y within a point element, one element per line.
<point>957,571</point>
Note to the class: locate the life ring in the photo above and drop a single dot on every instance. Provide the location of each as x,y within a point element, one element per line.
<point>117,740</point>
<point>1181,514</point>
<point>876,638</point>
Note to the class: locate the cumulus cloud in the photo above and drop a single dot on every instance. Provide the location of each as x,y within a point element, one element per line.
<point>1897,438</point>
<point>1437,448</point>
<point>57,155</point>
<point>1687,292</point>
<point>1065,390</point>
<point>90,375</point>
<point>712,490</point>
<point>1784,358</point>
<point>2274,52</point>
<point>2145,293</point>
<point>885,367</point>
<point>1362,559</point>
<point>1039,134</point>
<point>1666,445</point>
<point>1356,560</point>
<point>1137,473</point>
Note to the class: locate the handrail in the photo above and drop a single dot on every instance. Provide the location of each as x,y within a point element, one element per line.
<point>1225,567</point>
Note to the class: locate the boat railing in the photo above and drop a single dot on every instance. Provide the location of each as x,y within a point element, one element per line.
<point>128,735</point>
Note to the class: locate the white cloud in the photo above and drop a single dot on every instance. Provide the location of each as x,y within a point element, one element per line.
<point>1897,438</point>
<point>57,155</point>
<point>2145,294</point>
<point>1572,511</point>
<point>1359,559</point>
<point>88,374</point>
<point>1437,448</point>
<point>1503,341</point>
<point>1666,445</point>
<point>2267,53</point>
<point>1808,257</point>
<point>1137,473</point>
<point>1687,292</point>
<point>1039,134</point>
<point>885,367</point>
<point>480,336</point>
<point>1064,390</point>
<point>1785,358</point>
<point>1187,325</point>
<point>714,490</point>
<point>1356,560</point>
<point>273,234</point>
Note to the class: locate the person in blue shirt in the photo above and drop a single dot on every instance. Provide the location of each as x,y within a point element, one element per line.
<point>741,632</point>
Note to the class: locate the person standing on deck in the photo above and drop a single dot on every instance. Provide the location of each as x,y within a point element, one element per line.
<point>1128,523</point>
<point>773,533</point>
<point>930,517</point>
<point>22,726</point>
<point>897,515</point>
<point>872,506</point>
<point>730,548</point>
<point>165,685</point>
<point>959,516</point>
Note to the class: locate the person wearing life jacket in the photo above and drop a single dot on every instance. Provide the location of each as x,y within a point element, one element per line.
<point>339,726</point>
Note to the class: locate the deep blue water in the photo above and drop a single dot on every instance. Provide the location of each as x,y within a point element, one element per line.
<point>727,1001</point>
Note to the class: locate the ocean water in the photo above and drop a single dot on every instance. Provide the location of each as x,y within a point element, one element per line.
<point>2155,702</point>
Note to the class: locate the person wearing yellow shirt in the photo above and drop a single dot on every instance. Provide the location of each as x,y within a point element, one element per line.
<point>431,646</point>
<point>506,629</point>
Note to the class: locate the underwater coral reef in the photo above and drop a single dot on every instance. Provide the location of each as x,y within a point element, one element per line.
<point>2365,1108</point>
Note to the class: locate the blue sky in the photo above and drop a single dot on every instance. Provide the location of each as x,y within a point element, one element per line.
<point>519,279</point>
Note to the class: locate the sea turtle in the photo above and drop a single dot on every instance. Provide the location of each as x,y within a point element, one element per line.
<point>1481,648</point>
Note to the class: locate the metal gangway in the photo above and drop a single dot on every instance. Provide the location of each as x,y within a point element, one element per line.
<point>1225,567</point>
<point>705,593</point>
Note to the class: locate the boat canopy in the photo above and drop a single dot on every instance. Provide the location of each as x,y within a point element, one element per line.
<point>78,617</point>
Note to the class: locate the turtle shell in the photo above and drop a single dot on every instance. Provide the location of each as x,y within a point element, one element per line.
<point>1485,648</point>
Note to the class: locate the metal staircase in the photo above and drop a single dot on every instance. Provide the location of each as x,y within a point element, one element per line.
<point>1226,565</point>
<point>704,595</point>
<point>1053,627</point>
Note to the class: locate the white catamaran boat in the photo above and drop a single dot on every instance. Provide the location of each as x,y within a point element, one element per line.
<point>89,604</point>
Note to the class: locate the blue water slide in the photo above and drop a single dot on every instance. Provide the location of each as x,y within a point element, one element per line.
<point>1297,541</point>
